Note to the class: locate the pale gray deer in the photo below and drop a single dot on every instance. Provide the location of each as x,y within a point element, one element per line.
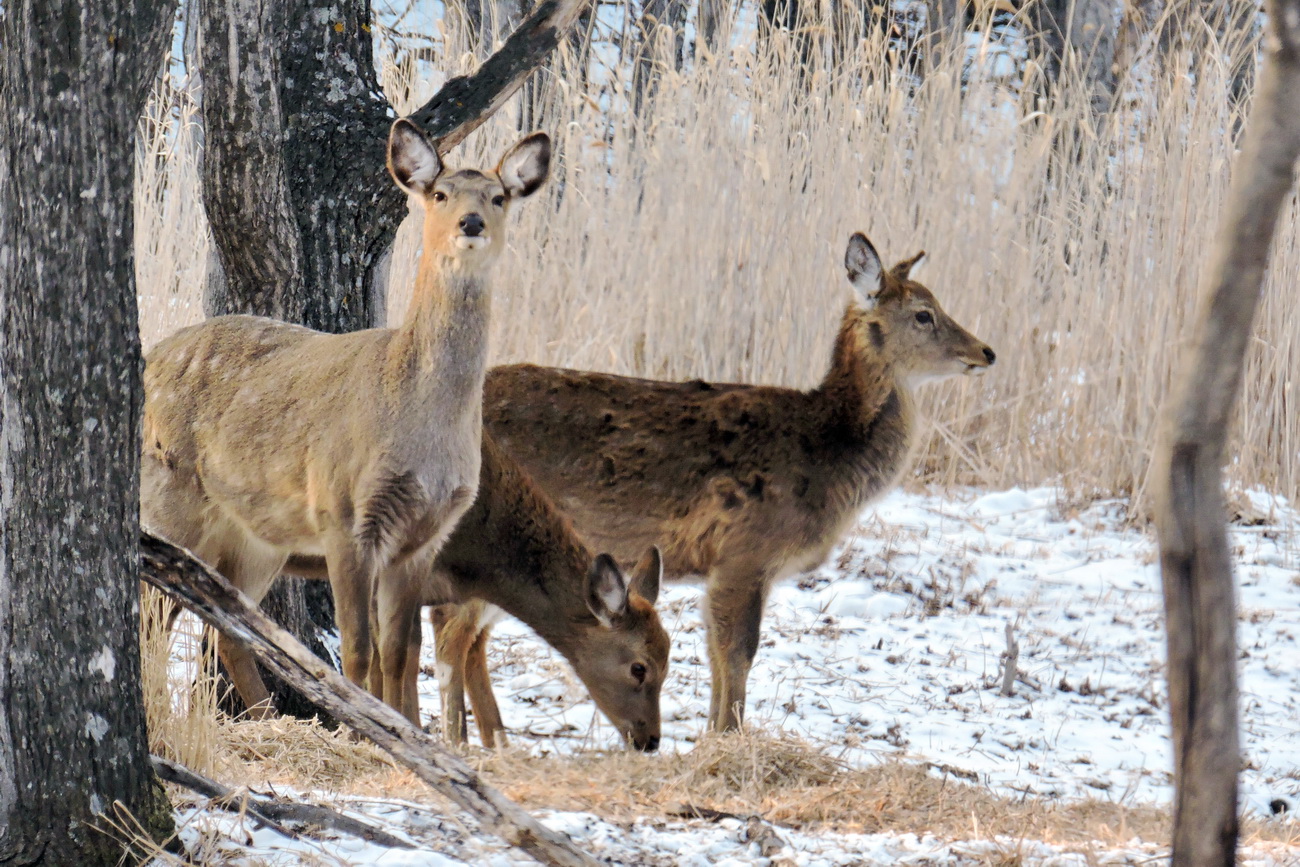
<point>263,439</point>
<point>514,549</point>
<point>741,484</point>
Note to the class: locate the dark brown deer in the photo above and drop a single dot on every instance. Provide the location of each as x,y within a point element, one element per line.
<point>741,484</point>
<point>515,550</point>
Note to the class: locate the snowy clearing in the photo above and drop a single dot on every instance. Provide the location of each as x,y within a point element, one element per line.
<point>893,649</point>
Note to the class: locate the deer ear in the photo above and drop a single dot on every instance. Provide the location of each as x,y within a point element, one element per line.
<point>412,159</point>
<point>648,575</point>
<point>903,269</point>
<point>606,590</point>
<point>866,274</point>
<point>525,166</point>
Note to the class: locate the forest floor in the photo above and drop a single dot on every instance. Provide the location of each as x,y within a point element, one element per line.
<point>876,728</point>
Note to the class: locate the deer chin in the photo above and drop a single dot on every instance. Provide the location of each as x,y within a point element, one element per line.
<point>916,380</point>
<point>472,242</point>
<point>976,369</point>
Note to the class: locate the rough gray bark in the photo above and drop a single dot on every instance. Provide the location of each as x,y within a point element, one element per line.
<point>73,80</point>
<point>294,181</point>
<point>207,594</point>
<point>1195,561</point>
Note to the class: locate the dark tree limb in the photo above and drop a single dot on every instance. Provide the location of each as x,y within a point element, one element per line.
<point>272,811</point>
<point>220,605</point>
<point>1195,561</point>
<point>464,103</point>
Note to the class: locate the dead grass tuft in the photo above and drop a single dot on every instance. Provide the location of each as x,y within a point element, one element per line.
<point>301,751</point>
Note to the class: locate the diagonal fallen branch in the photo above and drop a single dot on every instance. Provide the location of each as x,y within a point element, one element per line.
<point>187,580</point>
<point>272,811</point>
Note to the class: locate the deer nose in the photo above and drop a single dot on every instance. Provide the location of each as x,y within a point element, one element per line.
<point>472,225</point>
<point>649,745</point>
<point>990,355</point>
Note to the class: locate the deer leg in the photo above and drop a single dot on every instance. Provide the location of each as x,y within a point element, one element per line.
<point>478,683</point>
<point>451,639</point>
<point>253,570</point>
<point>351,574</point>
<point>395,609</point>
<point>735,618</point>
<point>411,686</point>
<point>175,511</point>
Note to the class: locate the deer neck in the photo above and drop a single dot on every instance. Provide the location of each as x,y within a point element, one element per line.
<point>863,401</point>
<point>439,353</point>
<point>515,549</point>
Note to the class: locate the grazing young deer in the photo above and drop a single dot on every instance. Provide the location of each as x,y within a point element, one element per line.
<point>741,484</point>
<point>515,550</point>
<point>263,439</point>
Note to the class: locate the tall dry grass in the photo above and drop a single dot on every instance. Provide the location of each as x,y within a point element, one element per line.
<point>704,239</point>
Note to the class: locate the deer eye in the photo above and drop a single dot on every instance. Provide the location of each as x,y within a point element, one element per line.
<point>638,672</point>
<point>439,196</point>
<point>924,317</point>
<point>499,201</point>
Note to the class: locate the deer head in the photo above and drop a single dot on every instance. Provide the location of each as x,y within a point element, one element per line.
<point>625,677</point>
<point>465,211</point>
<point>903,322</point>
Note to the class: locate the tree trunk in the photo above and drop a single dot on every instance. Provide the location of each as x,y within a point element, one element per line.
<point>711,24</point>
<point>661,43</point>
<point>1195,561</point>
<point>1079,34</point>
<point>72,723</point>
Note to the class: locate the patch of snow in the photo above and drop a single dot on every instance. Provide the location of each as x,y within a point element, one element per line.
<point>104,663</point>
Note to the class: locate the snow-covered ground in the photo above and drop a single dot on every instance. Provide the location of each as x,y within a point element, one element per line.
<point>893,648</point>
<point>447,843</point>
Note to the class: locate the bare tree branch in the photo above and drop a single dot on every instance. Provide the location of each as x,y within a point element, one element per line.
<point>190,582</point>
<point>1195,560</point>
<point>465,102</point>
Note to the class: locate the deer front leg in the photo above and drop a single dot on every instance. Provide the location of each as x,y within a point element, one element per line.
<point>735,618</point>
<point>396,611</point>
<point>478,683</point>
<point>411,686</point>
<point>351,574</point>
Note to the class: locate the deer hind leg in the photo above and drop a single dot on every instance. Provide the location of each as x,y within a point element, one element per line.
<point>176,510</point>
<point>453,629</point>
<point>478,683</point>
<point>735,618</point>
<point>252,567</point>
